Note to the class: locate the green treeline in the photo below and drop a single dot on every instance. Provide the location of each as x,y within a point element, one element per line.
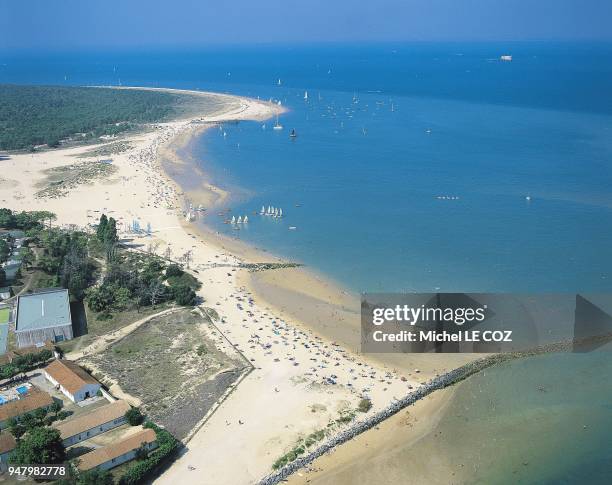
<point>39,115</point>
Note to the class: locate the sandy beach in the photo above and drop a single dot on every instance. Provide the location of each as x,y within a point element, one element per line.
<point>299,330</point>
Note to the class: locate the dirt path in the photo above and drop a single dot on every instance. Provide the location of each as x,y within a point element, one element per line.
<point>104,341</point>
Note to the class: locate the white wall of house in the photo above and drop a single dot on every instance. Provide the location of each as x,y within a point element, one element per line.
<point>94,431</point>
<point>130,455</point>
<point>88,390</point>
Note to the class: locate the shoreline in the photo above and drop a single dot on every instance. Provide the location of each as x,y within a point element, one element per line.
<point>327,308</point>
<point>295,342</point>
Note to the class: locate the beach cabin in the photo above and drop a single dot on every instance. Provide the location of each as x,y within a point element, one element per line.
<point>43,316</point>
<point>72,380</point>
<point>119,452</point>
<point>92,423</point>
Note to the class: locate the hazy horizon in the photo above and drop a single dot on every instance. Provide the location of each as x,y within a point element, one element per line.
<point>40,25</point>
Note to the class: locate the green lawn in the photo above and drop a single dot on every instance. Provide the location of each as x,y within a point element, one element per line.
<point>4,315</point>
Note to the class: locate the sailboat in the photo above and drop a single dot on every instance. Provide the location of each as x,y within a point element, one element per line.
<point>269,210</point>
<point>305,95</point>
<point>245,220</point>
<point>233,219</point>
<point>239,221</point>
<point>293,134</point>
<point>275,212</point>
<point>277,125</point>
<point>279,82</point>
<point>262,211</point>
<point>280,212</point>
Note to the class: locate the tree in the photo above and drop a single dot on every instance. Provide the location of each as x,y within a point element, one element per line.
<point>110,232</point>
<point>155,292</point>
<point>39,445</point>
<point>184,295</point>
<point>134,416</point>
<point>2,277</point>
<point>173,270</point>
<point>16,429</point>
<point>101,229</point>
<point>56,407</point>
<point>4,250</point>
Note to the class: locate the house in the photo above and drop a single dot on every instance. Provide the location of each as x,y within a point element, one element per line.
<point>43,316</point>
<point>7,445</point>
<point>31,401</point>
<point>93,423</point>
<point>117,453</point>
<point>74,382</point>
<point>6,292</point>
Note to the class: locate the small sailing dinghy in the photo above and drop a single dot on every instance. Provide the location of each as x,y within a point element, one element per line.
<point>262,211</point>
<point>277,125</point>
<point>293,134</point>
<point>233,219</point>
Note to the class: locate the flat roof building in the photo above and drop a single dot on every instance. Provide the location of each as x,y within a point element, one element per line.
<point>43,316</point>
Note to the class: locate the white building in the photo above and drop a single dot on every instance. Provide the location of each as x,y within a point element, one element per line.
<point>117,453</point>
<point>93,423</point>
<point>72,380</point>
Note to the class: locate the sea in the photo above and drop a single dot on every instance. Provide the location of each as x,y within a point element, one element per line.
<point>421,167</point>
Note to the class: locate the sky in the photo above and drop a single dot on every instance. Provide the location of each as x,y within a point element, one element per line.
<point>66,24</point>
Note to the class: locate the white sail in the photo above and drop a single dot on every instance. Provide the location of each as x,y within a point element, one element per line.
<point>280,212</point>
<point>275,212</point>
<point>263,210</point>
<point>246,219</point>
<point>305,95</point>
<point>239,220</point>
<point>269,210</point>
<point>279,82</point>
<point>233,219</point>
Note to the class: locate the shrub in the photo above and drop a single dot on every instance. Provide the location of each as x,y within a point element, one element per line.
<point>174,270</point>
<point>134,416</point>
<point>364,405</point>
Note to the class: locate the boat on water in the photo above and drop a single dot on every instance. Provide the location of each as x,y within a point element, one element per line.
<point>233,219</point>
<point>293,134</point>
<point>279,82</point>
<point>505,58</point>
<point>262,211</point>
<point>277,125</point>
<point>239,221</point>
<point>305,95</point>
<point>245,220</point>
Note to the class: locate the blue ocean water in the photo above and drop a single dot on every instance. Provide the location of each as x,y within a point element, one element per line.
<point>413,162</point>
<point>386,130</point>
